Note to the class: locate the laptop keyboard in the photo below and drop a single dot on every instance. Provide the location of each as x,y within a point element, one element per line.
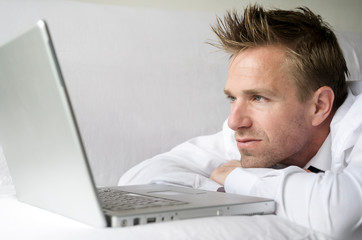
<point>118,200</point>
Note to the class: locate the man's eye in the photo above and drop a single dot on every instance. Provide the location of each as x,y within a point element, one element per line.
<point>231,98</point>
<point>258,98</point>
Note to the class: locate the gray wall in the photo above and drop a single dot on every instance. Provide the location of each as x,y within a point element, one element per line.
<point>342,15</point>
<point>139,73</point>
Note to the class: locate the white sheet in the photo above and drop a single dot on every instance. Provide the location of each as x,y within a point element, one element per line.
<point>22,221</point>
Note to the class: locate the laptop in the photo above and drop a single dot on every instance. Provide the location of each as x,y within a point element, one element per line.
<point>48,162</point>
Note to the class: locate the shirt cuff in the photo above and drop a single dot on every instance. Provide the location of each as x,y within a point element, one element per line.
<point>234,182</point>
<point>242,180</point>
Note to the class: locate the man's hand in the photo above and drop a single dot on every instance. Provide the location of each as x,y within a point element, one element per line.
<point>219,174</point>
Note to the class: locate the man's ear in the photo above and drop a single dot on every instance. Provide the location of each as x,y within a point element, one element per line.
<point>322,101</point>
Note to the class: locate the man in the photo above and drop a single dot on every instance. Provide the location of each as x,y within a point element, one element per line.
<point>291,111</point>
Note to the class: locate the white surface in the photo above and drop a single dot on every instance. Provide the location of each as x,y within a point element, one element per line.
<point>21,221</point>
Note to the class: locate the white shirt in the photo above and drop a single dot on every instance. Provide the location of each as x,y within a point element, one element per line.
<point>329,202</point>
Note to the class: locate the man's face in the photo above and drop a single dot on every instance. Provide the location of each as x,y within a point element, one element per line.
<point>271,125</point>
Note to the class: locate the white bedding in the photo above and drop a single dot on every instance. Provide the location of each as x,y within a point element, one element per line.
<point>22,221</point>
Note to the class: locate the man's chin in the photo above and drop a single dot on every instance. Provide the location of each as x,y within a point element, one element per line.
<point>255,163</point>
<point>246,164</point>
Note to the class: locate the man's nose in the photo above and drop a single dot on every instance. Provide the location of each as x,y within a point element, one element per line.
<point>239,117</point>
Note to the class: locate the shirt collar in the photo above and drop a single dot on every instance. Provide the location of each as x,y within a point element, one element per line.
<point>322,160</point>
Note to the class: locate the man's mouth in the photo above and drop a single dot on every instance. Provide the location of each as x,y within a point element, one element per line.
<point>244,143</point>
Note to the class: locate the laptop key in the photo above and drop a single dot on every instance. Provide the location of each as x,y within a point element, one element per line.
<point>118,200</point>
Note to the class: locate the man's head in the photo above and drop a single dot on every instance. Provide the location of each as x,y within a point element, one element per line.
<point>286,78</point>
<point>311,46</point>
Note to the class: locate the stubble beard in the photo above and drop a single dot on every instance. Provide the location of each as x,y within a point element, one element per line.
<point>286,146</point>
<point>252,158</point>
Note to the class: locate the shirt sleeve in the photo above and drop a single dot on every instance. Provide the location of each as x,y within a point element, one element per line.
<point>327,202</point>
<point>189,164</point>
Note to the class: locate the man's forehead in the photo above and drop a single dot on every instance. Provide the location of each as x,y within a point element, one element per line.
<point>258,56</point>
<point>261,70</point>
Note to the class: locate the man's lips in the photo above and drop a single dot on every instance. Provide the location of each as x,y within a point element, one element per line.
<point>244,143</point>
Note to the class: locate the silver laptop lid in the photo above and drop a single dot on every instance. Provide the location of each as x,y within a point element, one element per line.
<point>38,133</point>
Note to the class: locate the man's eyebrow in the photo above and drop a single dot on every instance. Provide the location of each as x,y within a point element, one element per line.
<point>227,92</point>
<point>251,92</point>
<point>259,91</point>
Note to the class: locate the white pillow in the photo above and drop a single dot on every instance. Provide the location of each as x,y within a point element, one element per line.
<point>5,179</point>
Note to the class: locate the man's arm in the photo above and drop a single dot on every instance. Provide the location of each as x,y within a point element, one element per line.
<point>219,174</point>
<point>189,164</point>
<point>329,202</point>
